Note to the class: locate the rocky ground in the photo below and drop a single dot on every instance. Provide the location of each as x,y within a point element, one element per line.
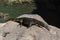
<point>14,31</point>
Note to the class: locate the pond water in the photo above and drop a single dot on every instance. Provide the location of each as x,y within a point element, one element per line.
<point>2,20</point>
<point>15,11</point>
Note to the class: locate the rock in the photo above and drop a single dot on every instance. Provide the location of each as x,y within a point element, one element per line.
<point>1,37</point>
<point>11,30</point>
<point>10,27</point>
<point>2,24</point>
<point>55,32</point>
<point>36,33</point>
<point>14,31</point>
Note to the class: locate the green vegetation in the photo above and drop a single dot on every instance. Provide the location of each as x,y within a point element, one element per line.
<point>16,10</point>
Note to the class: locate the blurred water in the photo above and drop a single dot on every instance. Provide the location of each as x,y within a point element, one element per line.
<point>2,20</point>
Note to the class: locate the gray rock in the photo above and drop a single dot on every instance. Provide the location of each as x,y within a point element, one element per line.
<point>12,30</point>
<point>1,37</point>
<point>55,32</point>
<point>2,24</point>
<point>36,33</point>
